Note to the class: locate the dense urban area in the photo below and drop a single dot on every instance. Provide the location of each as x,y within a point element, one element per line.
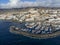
<point>34,20</point>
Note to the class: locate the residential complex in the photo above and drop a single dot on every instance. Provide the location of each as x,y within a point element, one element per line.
<point>37,20</point>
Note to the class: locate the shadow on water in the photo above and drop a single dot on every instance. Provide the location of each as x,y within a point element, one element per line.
<point>7,38</point>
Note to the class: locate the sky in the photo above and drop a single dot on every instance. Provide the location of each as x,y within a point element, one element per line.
<point>28,3</point>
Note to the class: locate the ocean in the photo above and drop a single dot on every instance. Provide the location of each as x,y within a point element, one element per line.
<point>8,38</point>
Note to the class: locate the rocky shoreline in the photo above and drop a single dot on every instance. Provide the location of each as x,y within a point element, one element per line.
<point>36,36</point>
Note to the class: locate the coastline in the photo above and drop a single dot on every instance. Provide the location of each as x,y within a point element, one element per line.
<point>36,36</point>
<point>39,17</point>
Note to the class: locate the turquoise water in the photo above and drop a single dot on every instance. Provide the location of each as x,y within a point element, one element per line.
<point>7,38</point>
